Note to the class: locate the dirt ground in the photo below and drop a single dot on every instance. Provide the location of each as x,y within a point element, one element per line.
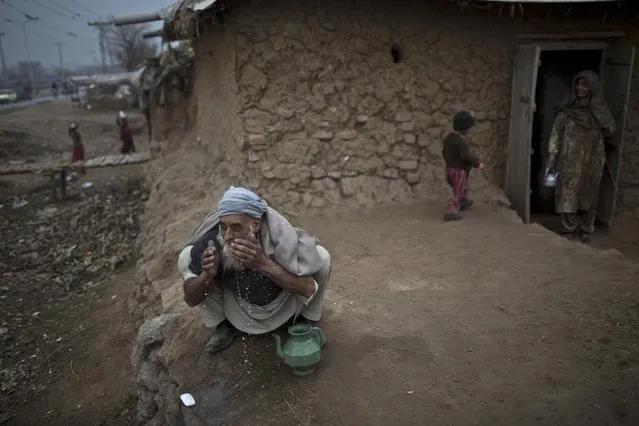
<point>59,326</point>
<point>40,133</point>
<point>66,275</point>
<point>483,321</point>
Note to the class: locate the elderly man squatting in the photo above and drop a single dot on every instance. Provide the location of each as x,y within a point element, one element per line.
<point>247,268</point>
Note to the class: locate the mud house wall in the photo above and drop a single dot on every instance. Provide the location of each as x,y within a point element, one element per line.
<point>173,114</point>
<point>328,118</point>
<point>193,164</point>
<point>628,197</point>
<point>302,102</point>
<point>331,119</point>
<point>218,118</point>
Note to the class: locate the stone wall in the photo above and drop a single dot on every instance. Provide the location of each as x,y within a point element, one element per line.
<point>331,119</point>
<point>327,117</point>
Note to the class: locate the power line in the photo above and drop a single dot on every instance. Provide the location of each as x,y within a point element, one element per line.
<point>53,10</point>
<point>42,37</point>
<point>23,24</point>
<point>53,27</point>
<point>26,15</point>
<point>66,9</point>
<point>32,18</point>
<point>37,37</point>
<point>86,9</point>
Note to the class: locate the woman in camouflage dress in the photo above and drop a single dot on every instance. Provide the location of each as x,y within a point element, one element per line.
<point>576,147</point>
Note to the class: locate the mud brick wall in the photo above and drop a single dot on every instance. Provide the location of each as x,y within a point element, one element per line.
<point>321,114</point>
<point>173,117</point>
<point>328,118</point>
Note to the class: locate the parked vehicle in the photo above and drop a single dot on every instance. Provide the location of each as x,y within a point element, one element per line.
<point>25,94</point>
<point>8,96</point>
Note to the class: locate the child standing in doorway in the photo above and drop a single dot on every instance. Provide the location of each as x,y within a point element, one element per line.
<point>459,161</point>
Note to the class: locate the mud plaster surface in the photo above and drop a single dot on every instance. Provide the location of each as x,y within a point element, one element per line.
<point>305,104</point>
<point>484,321</point>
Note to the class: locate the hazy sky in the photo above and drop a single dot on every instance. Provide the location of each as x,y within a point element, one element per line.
<point>55,20</point>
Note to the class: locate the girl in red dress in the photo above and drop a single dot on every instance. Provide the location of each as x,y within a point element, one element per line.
<point>78,146</point>
<point>126,135</point>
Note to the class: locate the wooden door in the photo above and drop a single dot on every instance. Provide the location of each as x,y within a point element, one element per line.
<point>522,109</point>
<point>616,73</point>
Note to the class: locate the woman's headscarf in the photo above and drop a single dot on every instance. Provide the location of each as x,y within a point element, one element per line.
<point>590,113</point>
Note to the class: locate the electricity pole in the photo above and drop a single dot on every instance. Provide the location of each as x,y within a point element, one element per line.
<point>26,44</point>
<point>4,65</point>
<point>103,42</point>
<point>103,49</point>
<point>60,57</point>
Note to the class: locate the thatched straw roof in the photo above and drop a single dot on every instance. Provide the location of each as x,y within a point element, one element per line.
<point>175,61</point>
<point>178,60</point>
<point>182,21</point>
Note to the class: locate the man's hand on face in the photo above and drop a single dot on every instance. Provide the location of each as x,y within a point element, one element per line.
<point>210,261</point>
<point>249,252</point>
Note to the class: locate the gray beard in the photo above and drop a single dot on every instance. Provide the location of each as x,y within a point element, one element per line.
<point>228,262</point>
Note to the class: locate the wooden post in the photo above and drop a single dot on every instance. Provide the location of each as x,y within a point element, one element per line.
<point>54,185</point>
<point>63,184</point>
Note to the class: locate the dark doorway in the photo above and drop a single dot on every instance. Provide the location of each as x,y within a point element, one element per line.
<point>554,81</point>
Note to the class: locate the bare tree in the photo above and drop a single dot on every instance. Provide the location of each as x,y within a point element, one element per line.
<point>127,47</point>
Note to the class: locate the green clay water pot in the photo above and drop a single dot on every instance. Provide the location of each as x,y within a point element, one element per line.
<point>303,349</point>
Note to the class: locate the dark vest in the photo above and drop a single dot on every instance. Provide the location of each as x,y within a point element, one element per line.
<point>248,284</point>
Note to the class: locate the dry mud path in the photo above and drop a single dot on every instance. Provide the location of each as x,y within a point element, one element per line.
<point>65,333</point>
<point>39,132</point>
<point>480,322</point>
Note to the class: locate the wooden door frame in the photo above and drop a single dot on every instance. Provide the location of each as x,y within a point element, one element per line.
<point>515,150</point>
<point>572,36</point>
<point>549,46</point>
<point>575,41</point>
<point>614,151</point>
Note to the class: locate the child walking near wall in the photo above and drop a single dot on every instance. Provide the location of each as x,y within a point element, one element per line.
<point>459,161</point>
